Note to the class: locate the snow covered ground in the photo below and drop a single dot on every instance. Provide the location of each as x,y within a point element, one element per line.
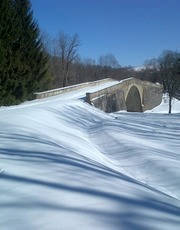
<point>65,165</point>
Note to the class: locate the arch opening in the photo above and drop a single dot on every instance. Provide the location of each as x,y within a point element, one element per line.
<point>133,100</point>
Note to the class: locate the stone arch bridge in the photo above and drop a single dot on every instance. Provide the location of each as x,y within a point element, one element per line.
<point>132,95</point>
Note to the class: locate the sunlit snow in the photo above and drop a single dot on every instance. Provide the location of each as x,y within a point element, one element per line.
<point>65,165</point>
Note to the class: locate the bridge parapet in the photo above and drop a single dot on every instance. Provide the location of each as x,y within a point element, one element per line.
<point>54,92</point>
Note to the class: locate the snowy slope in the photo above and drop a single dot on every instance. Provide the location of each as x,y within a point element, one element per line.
<point>66,165</point>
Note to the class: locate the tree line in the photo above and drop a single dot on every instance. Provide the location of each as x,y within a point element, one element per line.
<point>68,68</point>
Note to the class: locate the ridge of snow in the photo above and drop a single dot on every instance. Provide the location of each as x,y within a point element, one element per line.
<point>67,165</point>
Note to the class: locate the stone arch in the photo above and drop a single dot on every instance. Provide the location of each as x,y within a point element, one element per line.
<point>133,100</point>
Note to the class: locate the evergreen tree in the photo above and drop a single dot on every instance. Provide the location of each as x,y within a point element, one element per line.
<point>8,51</point>
<point>23,63</point>
<point>35,75</point>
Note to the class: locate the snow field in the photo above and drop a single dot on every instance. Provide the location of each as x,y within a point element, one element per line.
<point>67,165</point>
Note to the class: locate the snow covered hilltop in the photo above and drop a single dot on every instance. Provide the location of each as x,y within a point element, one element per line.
<point>67,165</point>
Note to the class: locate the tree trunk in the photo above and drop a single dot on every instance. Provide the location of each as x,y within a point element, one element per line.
<point>170,104</point>
<point>64,80</point>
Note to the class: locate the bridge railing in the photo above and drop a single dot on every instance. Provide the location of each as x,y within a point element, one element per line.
<point>53,92</point>
<point>108,90</point>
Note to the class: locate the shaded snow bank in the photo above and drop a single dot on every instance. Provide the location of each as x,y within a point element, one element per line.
<point>67,165</point>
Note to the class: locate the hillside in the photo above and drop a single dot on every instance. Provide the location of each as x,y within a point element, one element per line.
<point>67,165</point>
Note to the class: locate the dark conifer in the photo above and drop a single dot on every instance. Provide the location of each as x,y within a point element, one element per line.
<point>34,74</point>
<point>23,63</point>
<point>9,30</point>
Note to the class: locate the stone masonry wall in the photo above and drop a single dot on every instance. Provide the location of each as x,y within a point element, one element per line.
<point>152,97</point>
<point>110,102</point>
<point>54,92</point>
<point>113,98</point>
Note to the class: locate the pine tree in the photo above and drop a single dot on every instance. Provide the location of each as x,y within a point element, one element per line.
<point>23,63</point>
<point>8,51</point>
<point>35,75</point>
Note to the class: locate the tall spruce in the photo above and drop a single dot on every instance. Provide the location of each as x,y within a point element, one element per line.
<point>35,75</point>
<point>9,30</point>
<point>24,64</point>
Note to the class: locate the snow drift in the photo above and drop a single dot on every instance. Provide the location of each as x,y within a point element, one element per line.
<point>67,165</point>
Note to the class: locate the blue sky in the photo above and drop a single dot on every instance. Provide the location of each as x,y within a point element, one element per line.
<point>132,30</point>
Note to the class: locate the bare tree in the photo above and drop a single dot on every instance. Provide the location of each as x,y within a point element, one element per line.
<point>47,42</point>
<point>67,47</point>
<point>50,47</point>
<point>152,70</point>
<point>108,62</point>
<point>169,69</point>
